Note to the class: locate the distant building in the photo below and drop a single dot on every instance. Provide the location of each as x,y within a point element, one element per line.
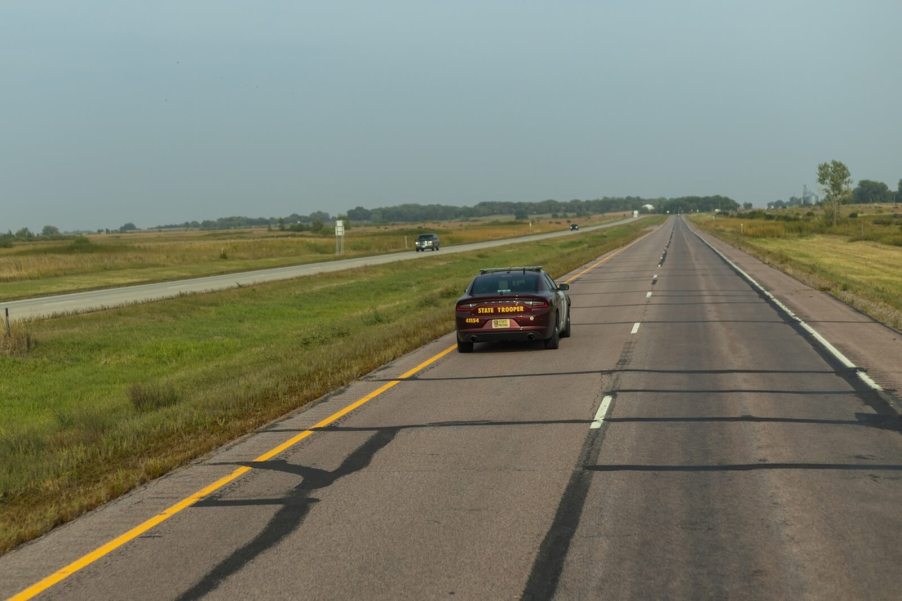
<point>648,208</point>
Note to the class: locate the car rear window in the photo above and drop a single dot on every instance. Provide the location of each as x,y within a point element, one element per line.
<point>505,283</point>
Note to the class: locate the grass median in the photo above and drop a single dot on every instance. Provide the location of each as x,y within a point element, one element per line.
<point>102,402</point>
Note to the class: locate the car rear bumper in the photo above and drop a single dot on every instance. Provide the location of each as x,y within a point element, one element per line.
<point>527,333</point>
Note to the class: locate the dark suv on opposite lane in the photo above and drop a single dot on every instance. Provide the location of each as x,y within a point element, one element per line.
<point>425,241</point>
<point>513,303</point>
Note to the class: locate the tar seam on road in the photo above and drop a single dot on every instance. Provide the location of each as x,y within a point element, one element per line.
<point>549,562</point>
<point>161,517</point>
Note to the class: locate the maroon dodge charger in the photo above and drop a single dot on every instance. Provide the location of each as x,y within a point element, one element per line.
<point>513,303</point>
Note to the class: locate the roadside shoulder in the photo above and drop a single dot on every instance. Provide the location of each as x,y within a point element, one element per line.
<point>871,345</point>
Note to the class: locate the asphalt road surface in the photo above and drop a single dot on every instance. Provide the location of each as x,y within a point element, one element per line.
<point>687,442</point>
<point>91,300</point>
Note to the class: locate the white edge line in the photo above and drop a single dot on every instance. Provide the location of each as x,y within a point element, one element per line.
<point>602,412</point>
<point>814,333</point>
<point>635,327</point>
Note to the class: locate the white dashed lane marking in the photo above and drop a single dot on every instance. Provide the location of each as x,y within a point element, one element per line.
<point>602,412</point>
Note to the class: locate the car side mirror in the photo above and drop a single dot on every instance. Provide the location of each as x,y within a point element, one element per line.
<point>563,286</point>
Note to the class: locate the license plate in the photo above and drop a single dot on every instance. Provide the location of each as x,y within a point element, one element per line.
<point>501,323</point>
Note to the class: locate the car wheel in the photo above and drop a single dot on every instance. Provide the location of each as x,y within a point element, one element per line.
<point>565,333</point>
<point>555,340</point>
<point>464,347</point>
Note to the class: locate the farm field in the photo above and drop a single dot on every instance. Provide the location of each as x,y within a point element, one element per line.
<point>39,268</point>
<point>91,411</point>
<point>859,261</point>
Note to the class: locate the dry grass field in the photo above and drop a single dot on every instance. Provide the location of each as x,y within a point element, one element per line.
<point>859,261</point>
<point>103,260</point>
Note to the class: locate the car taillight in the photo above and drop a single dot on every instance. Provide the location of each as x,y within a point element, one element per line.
<point>536,304</point>
<point>466,307</point>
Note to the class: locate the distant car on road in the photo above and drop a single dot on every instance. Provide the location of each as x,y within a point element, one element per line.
<point>425,241</point>
<point>513,303</point>
<point>574,227</point>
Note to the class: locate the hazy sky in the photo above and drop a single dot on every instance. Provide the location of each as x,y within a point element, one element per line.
<point>167,111</point>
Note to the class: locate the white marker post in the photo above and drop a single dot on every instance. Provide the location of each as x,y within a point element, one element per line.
<point>339,236</point>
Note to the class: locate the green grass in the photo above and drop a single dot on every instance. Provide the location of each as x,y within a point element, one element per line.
<point>859,261</point>
<point>105,401</point>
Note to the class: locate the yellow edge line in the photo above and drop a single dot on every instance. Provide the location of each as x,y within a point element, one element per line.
<point>161,517</point>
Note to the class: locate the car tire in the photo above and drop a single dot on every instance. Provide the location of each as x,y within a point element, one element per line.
<point>464,347</point>
<point>565,333</point>
<point>555,340</point>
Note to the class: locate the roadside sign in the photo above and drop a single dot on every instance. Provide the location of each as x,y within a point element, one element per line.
<point>339,236</point>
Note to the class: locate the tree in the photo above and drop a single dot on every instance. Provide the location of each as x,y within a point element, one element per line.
<point>359,214</point>
<point>50,230</point>
<point>24,234</point>
<point>899,192</point>
<point>128,227</point>
<point>836,181</point>
<point>868,191</point>
<point>747,206</point>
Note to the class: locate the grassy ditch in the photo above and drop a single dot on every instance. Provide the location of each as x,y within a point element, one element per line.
<point>858,262</point>
<point>44,267</point>
<point>104,401</point>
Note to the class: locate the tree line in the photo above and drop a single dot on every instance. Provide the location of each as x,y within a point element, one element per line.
<point>836,181</point>
<point>224,223</point>
<point>523,210</point>
<point>49,232</point>
<point>866,192</point>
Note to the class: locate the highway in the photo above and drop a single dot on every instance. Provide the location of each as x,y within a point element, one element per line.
<point>689,441</point>
<point>92,300</point>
